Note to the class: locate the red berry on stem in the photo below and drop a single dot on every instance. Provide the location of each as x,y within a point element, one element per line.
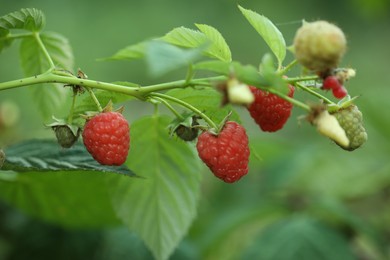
<point>340,92</point>
<point>226,154</point>
<point>269,111</point>
<point>330,83</point>
<point>107,138</point>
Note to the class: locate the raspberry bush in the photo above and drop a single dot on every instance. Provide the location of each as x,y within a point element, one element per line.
<point>204,113</point>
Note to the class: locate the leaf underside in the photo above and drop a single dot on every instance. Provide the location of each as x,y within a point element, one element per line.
<point>59,185</point>
<point>163,205</point>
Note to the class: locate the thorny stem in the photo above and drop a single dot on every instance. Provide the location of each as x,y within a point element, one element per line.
<point>59,76</point>
<point>188,106</point>
<point>181,83</point>
<point>142,93</point>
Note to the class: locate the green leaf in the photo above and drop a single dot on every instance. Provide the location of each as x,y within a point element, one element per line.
<point>219,47</point>
<point>162,206</point>
<point>29,19</point>
<point>216,66</point>
<point>163,57</point>
<point>48,156</point>
<point>268,71</point>
<point>77,199</point>
<point>210,37</point>
<point>136,51</point>
<point>300,238</point>
<point>4,42</point>
<point>61,186</point>
<point>271,35</point>
<point>207,100</point>
<point>51,96</point>
<point>228,237</point>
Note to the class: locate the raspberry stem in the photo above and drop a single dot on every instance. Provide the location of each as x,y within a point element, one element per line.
<point>70,117</point>
<point>177,114</point>
<point>303,87</point>
<point>95,100</point>
<point>288,67</point>
<point>293,101</point>
<point>186,105</point>
<point>44,50</point>
<point>300,79</point>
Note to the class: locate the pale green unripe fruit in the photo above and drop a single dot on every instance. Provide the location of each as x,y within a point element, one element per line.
<point>319,46</point>
<point>351,120</point>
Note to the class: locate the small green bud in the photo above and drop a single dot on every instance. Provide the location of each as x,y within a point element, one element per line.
<point>65,136</point>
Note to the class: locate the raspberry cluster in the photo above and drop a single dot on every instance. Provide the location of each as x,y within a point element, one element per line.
<point>107,138</point>
<point>333,83</point>
<point>227,153</point>
<point>269,111</point>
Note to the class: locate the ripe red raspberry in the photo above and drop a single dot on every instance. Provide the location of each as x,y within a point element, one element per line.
<point>269,111</point>
<point>226,154</point>
<point>340,92</point>
<point>107,138</point>
<point>331,83</point>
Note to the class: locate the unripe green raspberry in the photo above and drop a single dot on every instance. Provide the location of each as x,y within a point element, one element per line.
<point>65,136</point>
<point>319,46</point>
<point>351,120</point>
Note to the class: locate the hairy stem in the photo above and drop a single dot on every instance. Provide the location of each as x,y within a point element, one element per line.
<point>181,84</point>
<point>64,77</point>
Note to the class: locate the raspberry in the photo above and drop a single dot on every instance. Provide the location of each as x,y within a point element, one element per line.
<point>351,120</point>
<point>269,111</point>
<point>319,46</point>
<point>331,83</point>
<point>340,92</point>
<point>107,138</point>
<point>226,154</point>
<point>65,135</point>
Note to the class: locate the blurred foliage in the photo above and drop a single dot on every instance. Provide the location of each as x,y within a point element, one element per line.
<point>304,184</point>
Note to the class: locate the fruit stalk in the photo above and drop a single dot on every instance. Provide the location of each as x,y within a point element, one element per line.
<point>44,50</point>
<point>186,105</point>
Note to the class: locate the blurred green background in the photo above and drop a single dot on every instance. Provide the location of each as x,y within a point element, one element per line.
<point>301,176</point>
